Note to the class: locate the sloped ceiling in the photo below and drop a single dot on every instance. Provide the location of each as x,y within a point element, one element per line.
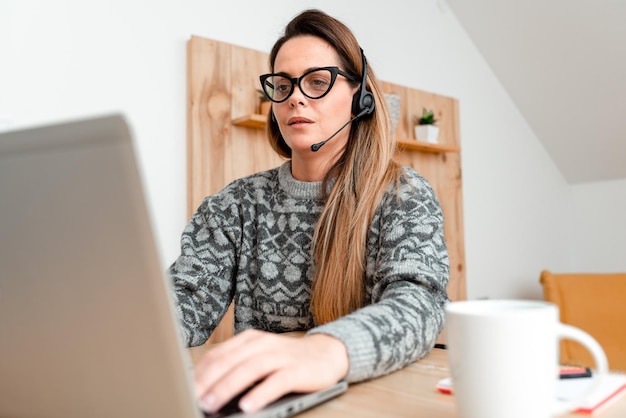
<point>563,62</point>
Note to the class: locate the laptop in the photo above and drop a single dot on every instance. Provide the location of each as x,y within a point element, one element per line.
<point>87,323</point>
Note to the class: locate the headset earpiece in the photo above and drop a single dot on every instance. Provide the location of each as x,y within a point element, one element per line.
<point>363,103</point>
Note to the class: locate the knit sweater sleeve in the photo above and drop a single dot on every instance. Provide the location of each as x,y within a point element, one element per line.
<point>407,271</point>
<point>202,275</point>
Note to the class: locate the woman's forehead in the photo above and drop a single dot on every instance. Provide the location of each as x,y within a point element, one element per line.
<point>305,52</point>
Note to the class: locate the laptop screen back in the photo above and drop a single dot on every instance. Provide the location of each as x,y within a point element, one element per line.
<point>86,325</point>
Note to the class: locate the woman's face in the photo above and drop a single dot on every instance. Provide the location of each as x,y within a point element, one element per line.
<point>304,121</point>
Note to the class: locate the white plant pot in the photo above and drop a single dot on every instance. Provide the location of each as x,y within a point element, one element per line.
<point>427,133</point>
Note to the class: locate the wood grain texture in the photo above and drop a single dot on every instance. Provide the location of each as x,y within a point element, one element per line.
<point>227,140</point>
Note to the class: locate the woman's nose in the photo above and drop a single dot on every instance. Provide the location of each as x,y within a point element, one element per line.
<point>297,97</point>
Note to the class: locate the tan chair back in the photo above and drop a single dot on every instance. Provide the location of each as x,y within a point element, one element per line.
<point>596,303</point>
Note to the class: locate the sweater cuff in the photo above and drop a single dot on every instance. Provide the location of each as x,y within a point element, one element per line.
<point>359,344</point>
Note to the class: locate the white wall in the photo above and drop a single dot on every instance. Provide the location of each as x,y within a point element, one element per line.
<point>72,58</point>
<point>598,232</point>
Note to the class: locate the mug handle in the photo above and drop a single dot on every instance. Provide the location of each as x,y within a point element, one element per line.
<point>565,331</point>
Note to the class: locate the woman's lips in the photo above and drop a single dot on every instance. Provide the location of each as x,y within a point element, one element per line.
<point>296,120</point>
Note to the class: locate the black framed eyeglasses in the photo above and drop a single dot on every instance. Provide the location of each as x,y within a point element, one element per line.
<point>314,84</point>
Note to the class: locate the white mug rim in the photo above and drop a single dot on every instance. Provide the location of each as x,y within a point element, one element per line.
<point>498,306</point>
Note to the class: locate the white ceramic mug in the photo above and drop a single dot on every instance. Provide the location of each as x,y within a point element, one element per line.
<point>503,357</point>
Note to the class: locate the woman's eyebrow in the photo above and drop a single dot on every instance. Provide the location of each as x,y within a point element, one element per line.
<point>286,74</point>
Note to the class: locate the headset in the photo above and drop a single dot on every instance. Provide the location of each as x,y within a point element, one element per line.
<point>363,103</point>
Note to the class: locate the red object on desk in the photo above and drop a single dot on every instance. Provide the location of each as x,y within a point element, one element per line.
<point>566,372</point>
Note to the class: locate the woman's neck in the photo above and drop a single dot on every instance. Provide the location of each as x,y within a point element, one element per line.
<point>310,169</point>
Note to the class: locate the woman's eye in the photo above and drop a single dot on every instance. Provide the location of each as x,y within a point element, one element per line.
<point>318,84</point>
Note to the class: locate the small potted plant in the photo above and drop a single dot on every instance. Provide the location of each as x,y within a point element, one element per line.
<point>264,103</point>
<point>425,128</point>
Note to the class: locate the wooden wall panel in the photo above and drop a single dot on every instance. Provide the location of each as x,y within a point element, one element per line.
<point>209,116</point>
<point>222,87</point>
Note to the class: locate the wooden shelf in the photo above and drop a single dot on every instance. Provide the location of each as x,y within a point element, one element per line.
<point>415,145</point>
<point>257,121</point>
<point>251,121</point>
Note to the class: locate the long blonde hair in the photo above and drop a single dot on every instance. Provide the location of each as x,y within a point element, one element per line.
<point>362,174</point>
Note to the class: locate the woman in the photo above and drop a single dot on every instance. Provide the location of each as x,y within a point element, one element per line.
<point>340,241</point>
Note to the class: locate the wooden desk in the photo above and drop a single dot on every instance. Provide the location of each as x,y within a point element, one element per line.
<point>409,392</point>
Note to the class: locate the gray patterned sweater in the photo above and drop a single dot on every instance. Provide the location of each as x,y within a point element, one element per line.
<point>251,244</point>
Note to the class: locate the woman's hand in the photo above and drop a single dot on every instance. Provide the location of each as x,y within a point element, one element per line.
<point>284,364</point>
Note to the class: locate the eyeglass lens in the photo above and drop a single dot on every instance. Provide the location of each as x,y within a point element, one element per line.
<point>314,85</point>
